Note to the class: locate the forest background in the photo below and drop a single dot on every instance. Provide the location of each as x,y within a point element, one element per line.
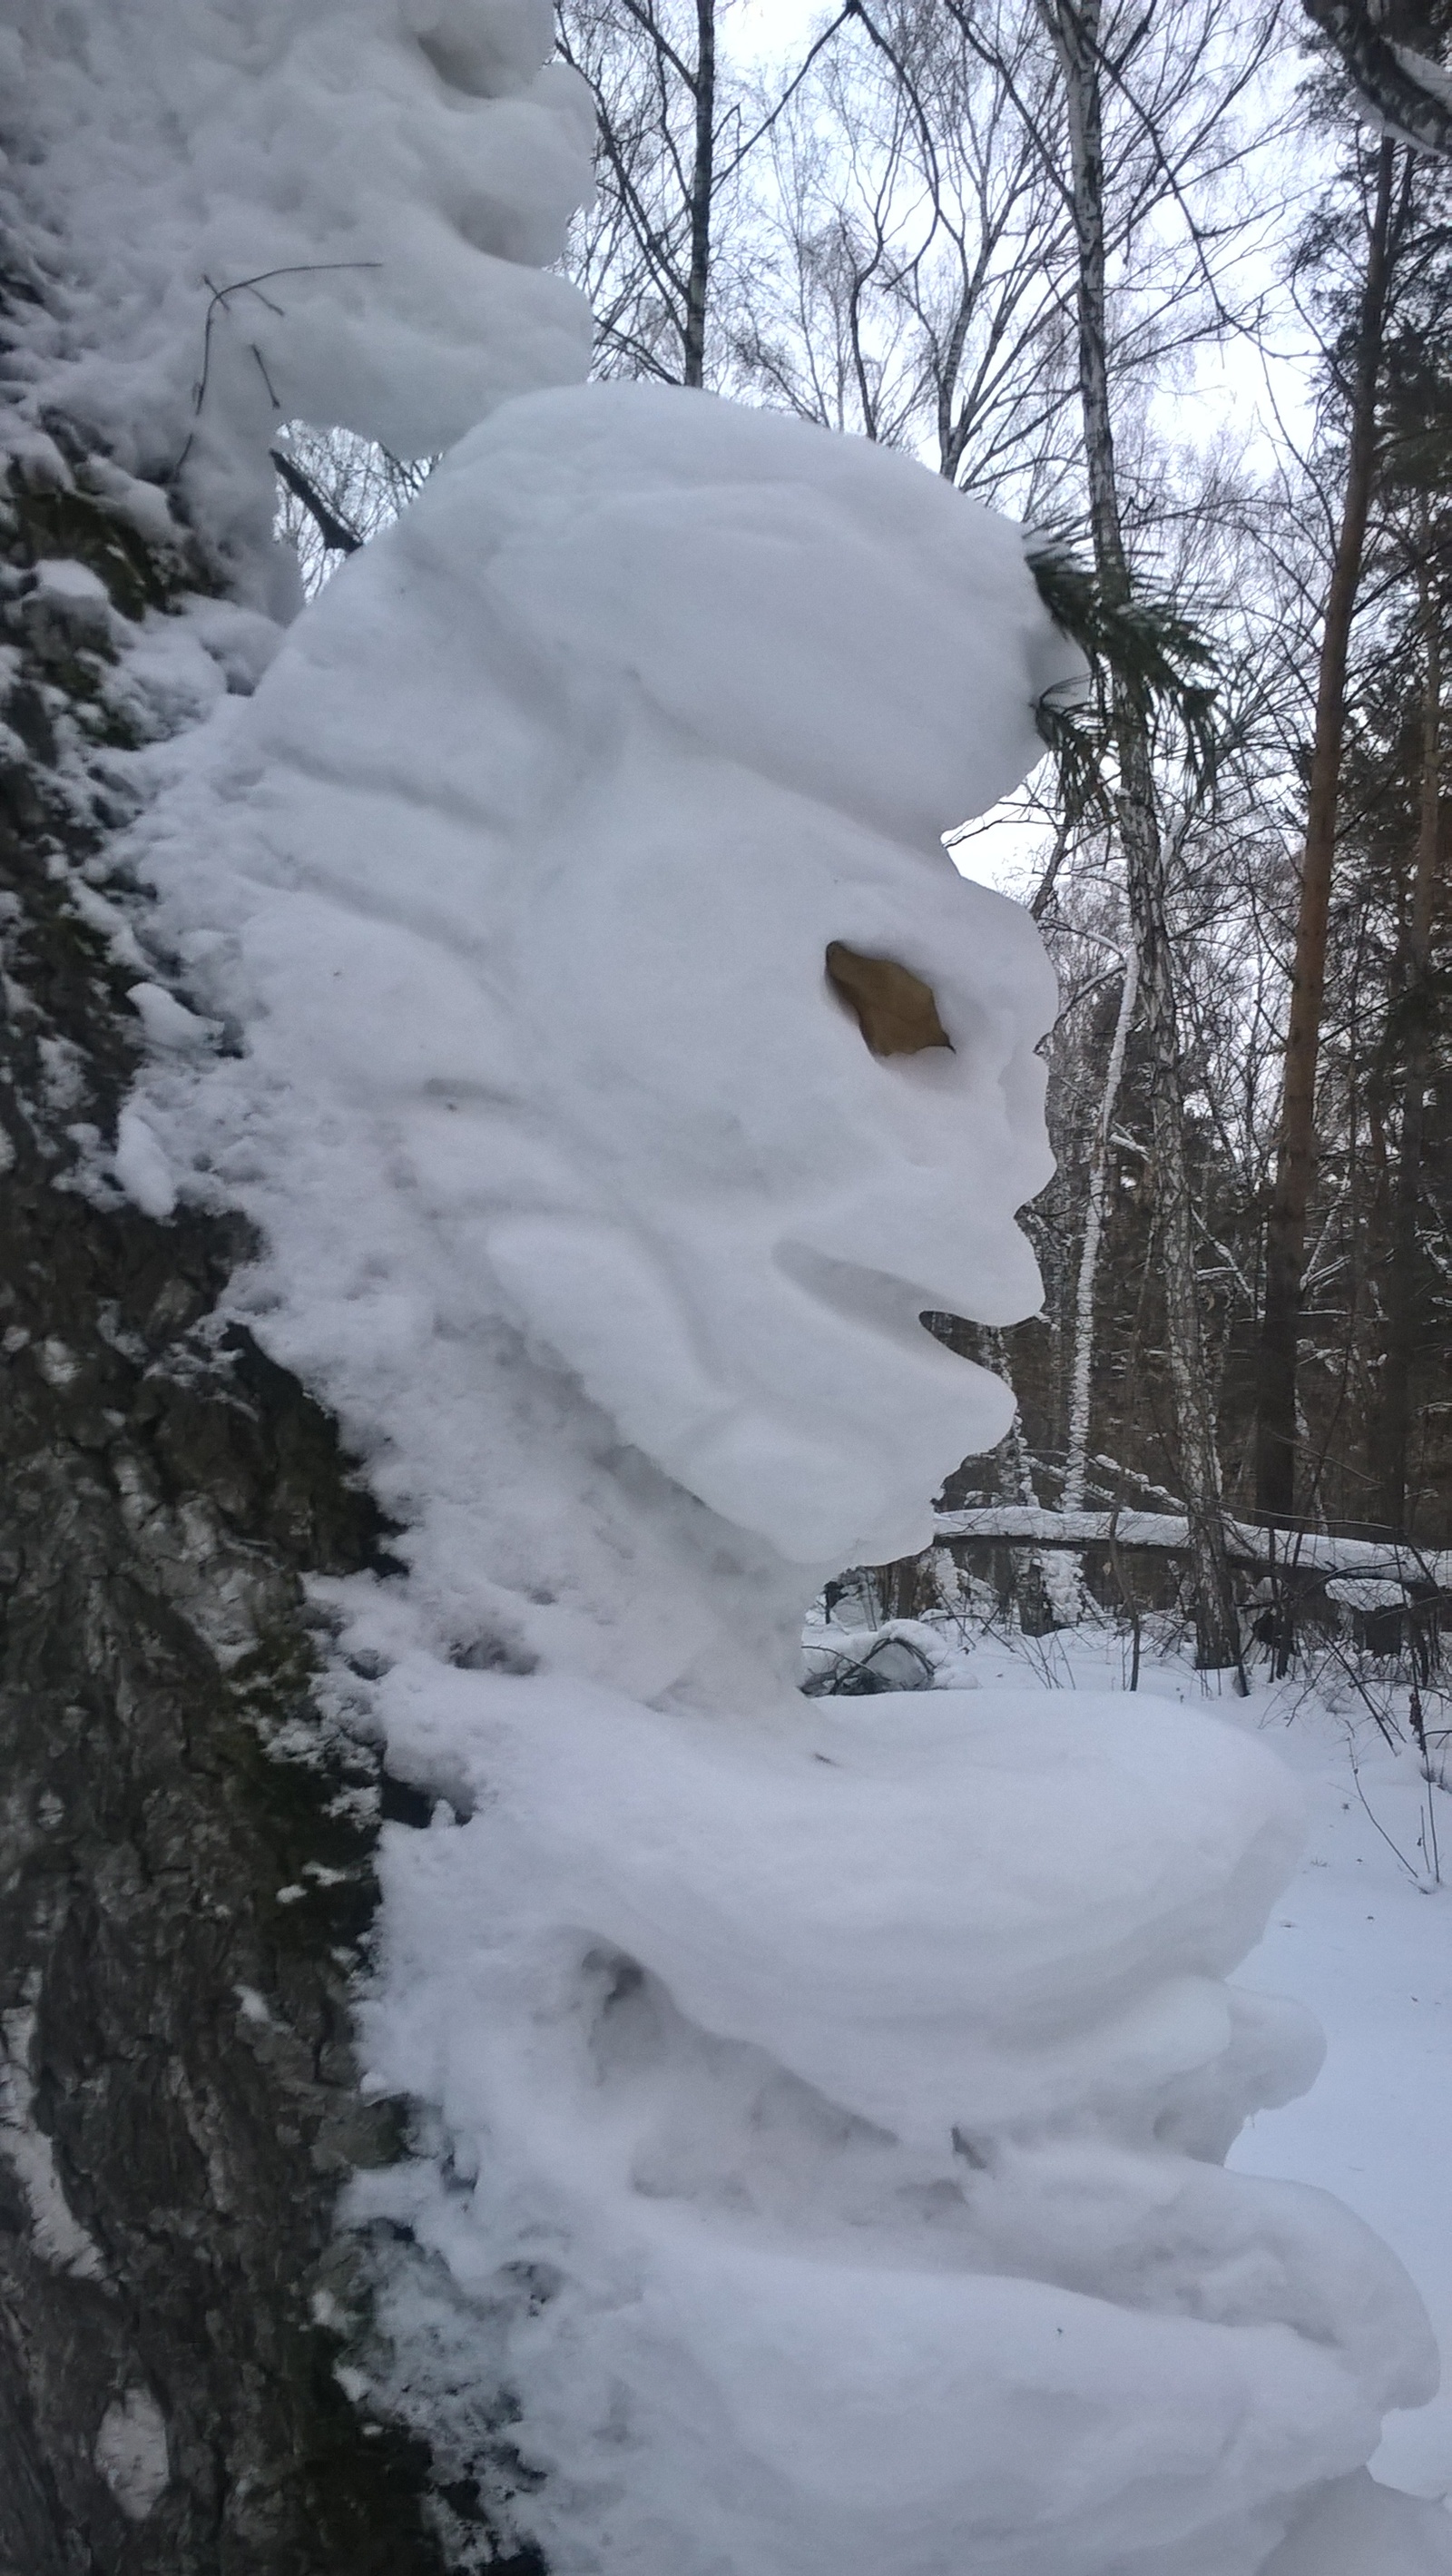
<point>1143,274</point>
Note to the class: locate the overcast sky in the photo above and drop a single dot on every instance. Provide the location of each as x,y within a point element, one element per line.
<point>1232,389</point>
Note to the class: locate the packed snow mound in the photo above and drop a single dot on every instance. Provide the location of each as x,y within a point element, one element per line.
<point>880,2061</point>
<point>533,845</point>
<point>1362,2529</point>
<point>820,2101</point>
<point>330,210</point>
<point>856,1893</point>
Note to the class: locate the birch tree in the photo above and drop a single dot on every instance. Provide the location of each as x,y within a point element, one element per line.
<point>1080,37</point>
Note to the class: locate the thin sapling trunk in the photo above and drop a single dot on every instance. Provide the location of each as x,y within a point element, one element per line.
<point>1285,1242</point>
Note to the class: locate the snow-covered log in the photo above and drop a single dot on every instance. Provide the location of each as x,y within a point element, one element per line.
<point>1310,1554</point>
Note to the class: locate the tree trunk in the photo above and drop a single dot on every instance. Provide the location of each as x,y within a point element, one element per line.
<point>1075,34</point>
<point>1082,1369</point>
<point>1285,1242</point>
<point>1401,1295</point>
<point>178,1909</point>
<point>1402,90</point>
<point>702,185</point>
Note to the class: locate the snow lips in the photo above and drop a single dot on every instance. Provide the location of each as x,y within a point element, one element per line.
<point>827,2098</point>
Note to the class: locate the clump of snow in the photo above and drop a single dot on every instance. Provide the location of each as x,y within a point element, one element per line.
<point>825,2099</point>
<point>141,1165</point>
<point>64,579</point>
<point>897,1654</point>
<point>131,2453</point>
<point>337,211</point>
<point>56,2234</point>
<point>67,608</point>
<point>847,2097</point>
<point>167,1022</point>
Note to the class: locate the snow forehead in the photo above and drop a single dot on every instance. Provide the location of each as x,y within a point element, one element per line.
<point>562,792</point>
<point>810,606</point>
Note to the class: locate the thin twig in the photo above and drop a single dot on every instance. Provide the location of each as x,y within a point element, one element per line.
<point>1409,1866</point>
<point>250,286</point>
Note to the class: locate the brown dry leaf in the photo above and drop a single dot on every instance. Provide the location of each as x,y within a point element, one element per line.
<point>895,1010</point>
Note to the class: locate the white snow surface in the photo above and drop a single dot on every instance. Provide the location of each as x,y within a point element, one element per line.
<point>389,175</point>
<point>825,2100</point>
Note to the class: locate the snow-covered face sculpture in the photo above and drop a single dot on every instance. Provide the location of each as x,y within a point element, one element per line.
<point>669,701</point>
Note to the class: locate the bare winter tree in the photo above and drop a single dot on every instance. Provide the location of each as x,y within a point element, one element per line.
<point>1415,975</point>
<point>678,122</point>
<point>912,267</point>
<point>1106,64</point>
<point>336,491</point>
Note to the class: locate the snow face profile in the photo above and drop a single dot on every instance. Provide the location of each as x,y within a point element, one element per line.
<point>821,2104</point>
<point>727,682</point>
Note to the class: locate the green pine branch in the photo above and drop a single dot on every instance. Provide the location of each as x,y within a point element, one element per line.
<point>1140,651</point>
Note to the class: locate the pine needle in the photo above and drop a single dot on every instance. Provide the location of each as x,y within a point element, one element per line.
<point>1140,650</point>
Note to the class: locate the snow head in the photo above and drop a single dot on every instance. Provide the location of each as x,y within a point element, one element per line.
<point>648,705</point>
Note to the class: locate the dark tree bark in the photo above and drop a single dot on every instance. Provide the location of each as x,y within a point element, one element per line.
<point>1285,1241</point>
<point>1399,84</point>
<point>702,195</point>
<point>178,1909</point>
<point>1393,1430</point>
<point>658,149</point>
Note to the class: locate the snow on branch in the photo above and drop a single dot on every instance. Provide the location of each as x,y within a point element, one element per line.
<point>1407,93</point>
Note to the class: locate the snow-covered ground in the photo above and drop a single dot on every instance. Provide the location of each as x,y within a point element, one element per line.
<point>1362,1936</point>
<point>1370,1951</point>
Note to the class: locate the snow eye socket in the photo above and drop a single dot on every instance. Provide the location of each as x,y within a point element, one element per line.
<point>895,1010</point>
